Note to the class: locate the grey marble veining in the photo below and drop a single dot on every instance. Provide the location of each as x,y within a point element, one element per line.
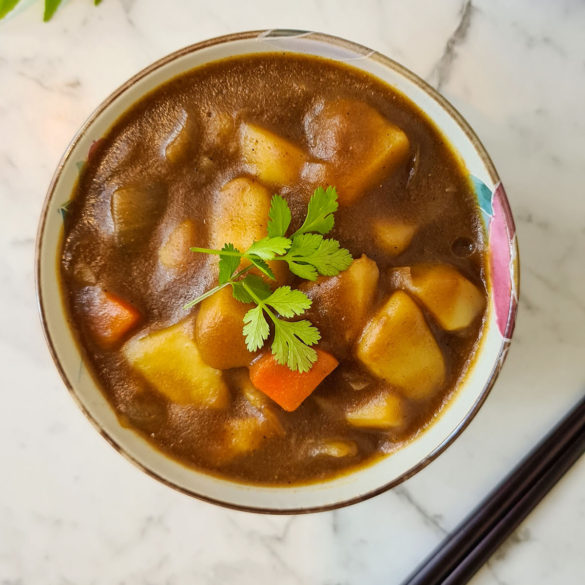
<point>73,511</point>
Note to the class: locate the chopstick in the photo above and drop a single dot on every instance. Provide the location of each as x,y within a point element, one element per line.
<point>462,553</point>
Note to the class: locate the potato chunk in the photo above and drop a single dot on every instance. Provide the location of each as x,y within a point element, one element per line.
<point>246,434</point>
<point>240,214</point>
<point>393,236</point>
<point>398,346</point>
<point>135,211</point>
<point>271,158</point>
<point>175,253</point>
<point>359,145</point>
<point>382,411</point>
<point>240,217</point>
<point>448,295</point>
<point>332,448</point>
<point>170,361</point>
<point>182,138</point>
<point>218,331</point>
<point>341,303</point>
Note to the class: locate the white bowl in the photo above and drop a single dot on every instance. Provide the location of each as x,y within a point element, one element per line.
<point>364,482</point>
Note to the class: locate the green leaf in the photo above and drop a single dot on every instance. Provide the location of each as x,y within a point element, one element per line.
<point>50,7</point>
<point>256,329</point>
<point>97,2</point>
<point>279,217</point>
<point>228,263</point>
<point>322,205</point>
<point>291,344</point>
<point>288,302</point>
<point>268,248</point>
<point>311,254</point>
<point>262,266</point>
<point>258,286</point>
<point>305,271</point>
<point>251,285</point>
<point>329,259</point>
<point>7,6</point>
<point>240,293</point>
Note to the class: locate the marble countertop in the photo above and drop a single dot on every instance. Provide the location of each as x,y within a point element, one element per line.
<point>72,511</point>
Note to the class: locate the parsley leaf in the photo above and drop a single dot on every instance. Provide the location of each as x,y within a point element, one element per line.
<point>256,329</point>
<point>288,302</point>
<point>228,263</point>
<point>322,205</point>
<point>287,349</point>
<point>279,217</point>
<point>268,248</point>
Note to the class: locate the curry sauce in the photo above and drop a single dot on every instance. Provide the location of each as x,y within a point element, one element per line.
<point>150,190</point>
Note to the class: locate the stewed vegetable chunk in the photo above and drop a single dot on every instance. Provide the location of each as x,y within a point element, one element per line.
<point>135,211</point>
<point>169,360</point>
<point>343,299</point>
<point>218,331</point>
<point>398,346</point>
<point>287,388</point>
<point>332,448</point>
<point>109,317</point>
<point>452,299</point>
<point>240,217</point>
<point>182,138</point>
<point>271,158</point>
<point>384,410</point>
<point>393,235</point>
<point>359,145</point>
<point>175,253</point>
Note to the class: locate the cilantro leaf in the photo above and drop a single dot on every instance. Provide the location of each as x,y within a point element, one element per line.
<point>329,258</point>
<point>268,248</point>
<point>322,205</point>
<point>262,266</point>
<point>307,254</point>
<point>279,217</point>
<point>291,344</point>
<point>257,286</point>
<point>228,263</point>
<point>240,293</point>
<point>288,302</point>
<point>312,254</point>
<point>256,329</point>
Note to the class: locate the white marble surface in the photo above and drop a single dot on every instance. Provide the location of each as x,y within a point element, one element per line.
<point>73,511</point>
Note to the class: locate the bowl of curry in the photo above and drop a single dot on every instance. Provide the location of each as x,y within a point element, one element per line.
<point>277,271</point>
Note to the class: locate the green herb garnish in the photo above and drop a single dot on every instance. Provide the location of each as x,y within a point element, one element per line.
<point>51,6</point>
<point>308,255</point>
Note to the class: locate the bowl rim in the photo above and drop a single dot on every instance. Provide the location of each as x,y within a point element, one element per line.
<point>385,61</point>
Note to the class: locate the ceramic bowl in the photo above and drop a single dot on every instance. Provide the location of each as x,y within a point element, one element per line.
<point>466,400</point>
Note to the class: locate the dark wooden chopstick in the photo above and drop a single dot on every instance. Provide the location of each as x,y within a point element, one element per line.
<point>461,554</point>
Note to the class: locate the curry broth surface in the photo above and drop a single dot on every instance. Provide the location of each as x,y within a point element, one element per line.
<point>274,91</point>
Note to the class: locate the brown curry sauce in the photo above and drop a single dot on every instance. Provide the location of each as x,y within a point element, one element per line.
<point>275,91</point>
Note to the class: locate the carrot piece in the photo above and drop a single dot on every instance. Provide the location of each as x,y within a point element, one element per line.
<point>110,318</point>
<point>287,388</point>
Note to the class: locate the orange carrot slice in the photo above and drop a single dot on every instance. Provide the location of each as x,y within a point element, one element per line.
<point>287,388</point>
<point>110,318</point>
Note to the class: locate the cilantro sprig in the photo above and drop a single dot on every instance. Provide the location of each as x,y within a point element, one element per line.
<point>308,255</point>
